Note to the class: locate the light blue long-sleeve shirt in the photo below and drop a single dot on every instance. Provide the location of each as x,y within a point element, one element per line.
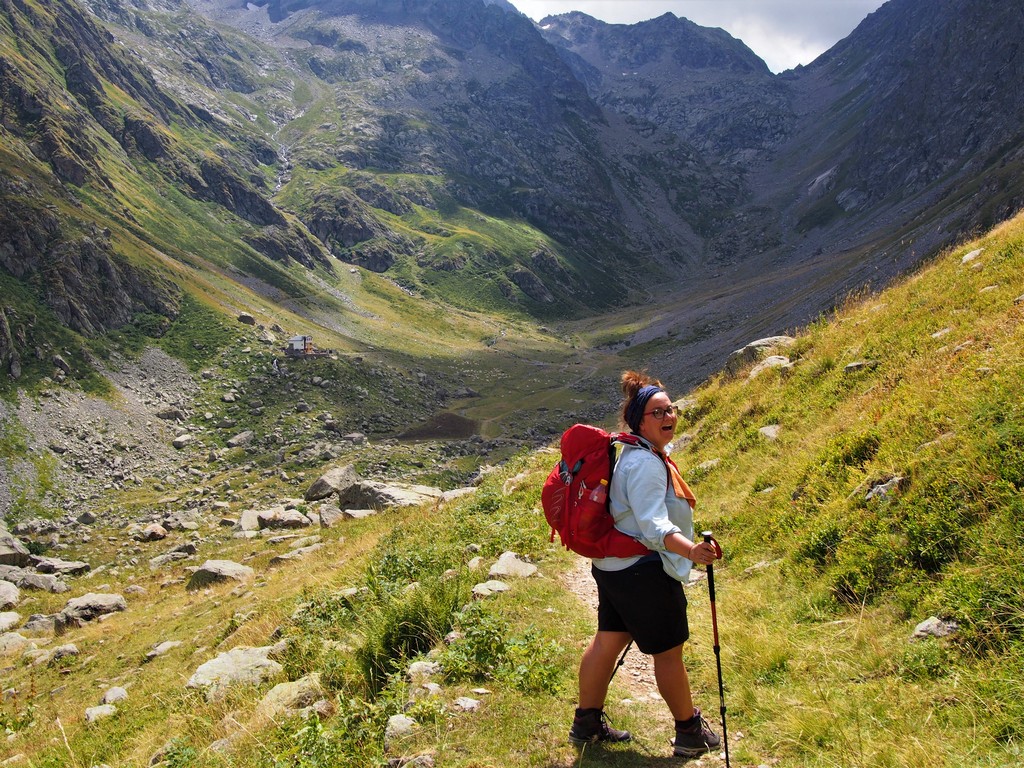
<point>645,506</point>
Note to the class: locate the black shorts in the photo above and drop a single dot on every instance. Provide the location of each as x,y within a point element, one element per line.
<point>644,601</point>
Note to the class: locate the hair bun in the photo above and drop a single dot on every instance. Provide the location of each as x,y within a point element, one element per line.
<point>634,381</point>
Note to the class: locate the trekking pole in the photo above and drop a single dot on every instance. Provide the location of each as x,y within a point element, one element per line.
<point>622,659</point>
<point>718,650</point>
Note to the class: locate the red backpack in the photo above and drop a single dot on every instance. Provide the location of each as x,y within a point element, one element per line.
<point>575,495</point>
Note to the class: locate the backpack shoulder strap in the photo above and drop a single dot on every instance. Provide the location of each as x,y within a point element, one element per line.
<point>635,441</point>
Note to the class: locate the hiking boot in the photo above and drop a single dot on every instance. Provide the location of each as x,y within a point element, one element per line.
<point>591,726</point>
<point>694,737</point>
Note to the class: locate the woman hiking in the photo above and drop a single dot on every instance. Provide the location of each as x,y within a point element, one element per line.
<point>641,598</point>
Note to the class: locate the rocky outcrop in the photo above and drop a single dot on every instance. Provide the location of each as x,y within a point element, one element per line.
<point>10,358</point>
<point>289,243</point>
<point>87,285</point>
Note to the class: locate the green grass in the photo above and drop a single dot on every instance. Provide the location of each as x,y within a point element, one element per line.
<point>817,596</point>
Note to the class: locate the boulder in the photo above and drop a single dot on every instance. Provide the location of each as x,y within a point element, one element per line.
<point>239,666</point>
<point>510,564</point>
<point>12,643</point>
<point>9,595</point>
<point>152,532</point>
<point>88,607</point>
<point>242,438</point>
<point>249,520</point>
<point>754,351</point>
<point>57,566</point>
<point>457,493</point>
<point>286,699</point>
<point>373,494</point>
<point>9,620</point>
<point>12,551</point>
<point>279,517</point>
<point>219,571</point>
<point>26,579</point>
<point>334,481</point>
<point>39,624</point>
<point>398,727</point>
<point>330,515</point>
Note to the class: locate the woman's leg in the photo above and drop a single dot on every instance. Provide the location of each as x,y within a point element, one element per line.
<point>597,665</point>
<point>673,682</point>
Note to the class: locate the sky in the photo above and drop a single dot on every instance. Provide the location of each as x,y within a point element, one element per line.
<point>784,33</point>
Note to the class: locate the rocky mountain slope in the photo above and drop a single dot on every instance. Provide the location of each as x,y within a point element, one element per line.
<point>363,168</point>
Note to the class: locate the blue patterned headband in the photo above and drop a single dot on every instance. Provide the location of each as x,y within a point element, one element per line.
<point>635,410</point>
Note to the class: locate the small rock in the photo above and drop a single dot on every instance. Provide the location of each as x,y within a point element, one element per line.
<point>489,588</point>
<point>161,649</point>
<point>467,704</point>
<point>242,438</point>
<point>398,727</point>
<point>92,714</point>
<point>114,695</point>
<point>933,626</point>
<point>881,490</point>
<point>510,565</point>
<point>152,532</point>
<point>860,365</point>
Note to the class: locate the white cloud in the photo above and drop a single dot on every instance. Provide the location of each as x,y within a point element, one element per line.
<point>782,32</point>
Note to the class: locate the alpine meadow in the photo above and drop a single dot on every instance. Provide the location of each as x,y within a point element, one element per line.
<point>298,296</point>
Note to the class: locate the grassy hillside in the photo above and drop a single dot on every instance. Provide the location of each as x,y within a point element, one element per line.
<point>818,594</point>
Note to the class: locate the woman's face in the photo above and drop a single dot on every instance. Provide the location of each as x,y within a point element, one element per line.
<point>659,432</point>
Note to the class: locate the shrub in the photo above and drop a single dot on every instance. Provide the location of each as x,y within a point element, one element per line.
<point>488,650</point>
<point>405,625</point>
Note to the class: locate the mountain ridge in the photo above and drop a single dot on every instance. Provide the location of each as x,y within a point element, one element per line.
<point>376,133</point>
